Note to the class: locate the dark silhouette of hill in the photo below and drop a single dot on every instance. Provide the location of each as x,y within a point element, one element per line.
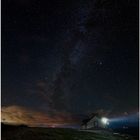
<point>23,132</point>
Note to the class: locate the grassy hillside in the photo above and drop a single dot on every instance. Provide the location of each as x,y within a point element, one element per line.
<point>27,133</point>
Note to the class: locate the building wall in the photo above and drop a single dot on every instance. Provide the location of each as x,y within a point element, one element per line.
<point>91,123</point>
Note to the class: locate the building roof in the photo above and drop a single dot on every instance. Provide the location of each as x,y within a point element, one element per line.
<point>85,121</point>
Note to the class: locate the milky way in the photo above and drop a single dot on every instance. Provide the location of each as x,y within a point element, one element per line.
<point>75,57</point>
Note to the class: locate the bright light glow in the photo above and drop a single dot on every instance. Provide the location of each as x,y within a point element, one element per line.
<point>104,120</point>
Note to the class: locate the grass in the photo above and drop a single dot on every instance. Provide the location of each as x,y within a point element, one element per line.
<point>27,133</point>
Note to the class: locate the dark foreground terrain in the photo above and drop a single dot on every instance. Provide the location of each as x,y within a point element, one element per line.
<point>28,133</point>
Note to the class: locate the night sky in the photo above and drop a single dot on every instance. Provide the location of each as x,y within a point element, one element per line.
<point>66,59</point>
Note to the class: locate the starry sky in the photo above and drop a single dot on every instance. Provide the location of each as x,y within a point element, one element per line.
<point>69,58</point>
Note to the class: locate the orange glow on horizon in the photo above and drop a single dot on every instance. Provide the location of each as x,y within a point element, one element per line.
<point>20,115</point>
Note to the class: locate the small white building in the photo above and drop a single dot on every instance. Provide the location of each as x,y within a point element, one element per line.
<point>95,122</point>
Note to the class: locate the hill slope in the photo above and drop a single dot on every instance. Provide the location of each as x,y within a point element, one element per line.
<point>27,133</point>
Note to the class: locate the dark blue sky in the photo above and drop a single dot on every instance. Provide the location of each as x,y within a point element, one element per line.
<point>73,56</point>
